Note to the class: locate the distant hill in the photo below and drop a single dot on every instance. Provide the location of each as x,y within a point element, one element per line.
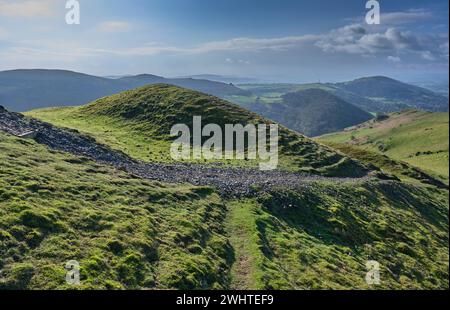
<point>215,88</point>
<point>225,78</point>
<point>312,112</point>
<point>372,94</point>
<point>23,90</point>
<point>389,95</point>
<point>416,137</point>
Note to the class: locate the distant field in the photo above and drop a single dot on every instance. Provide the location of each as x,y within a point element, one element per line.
<point>270,93</point>
<point>416,137</point>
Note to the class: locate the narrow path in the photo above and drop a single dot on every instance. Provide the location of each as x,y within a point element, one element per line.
<point>243,236</point>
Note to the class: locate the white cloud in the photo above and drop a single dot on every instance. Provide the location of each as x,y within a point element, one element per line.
<point>357,39</point>
<point>3,33</point>
<point>394,59</point>
<point>27,8</point>
<point>389,19</point>
<point>427,55</point>
<point>389,43</point>
<point>406,17</point>
<point>237,61</point>
<point>114,26</point>
<point>256,44</point>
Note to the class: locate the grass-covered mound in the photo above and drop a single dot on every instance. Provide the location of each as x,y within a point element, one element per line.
<point>138,122</point>
<point>126,233</point>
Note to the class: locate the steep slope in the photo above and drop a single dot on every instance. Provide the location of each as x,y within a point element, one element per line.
<point>391,95</point>
<point>416,137</point>
<point>129,233</point>
<point>23,90</point>
<point>126,233</point>
<point>312,112</point>
<point>138,122</point>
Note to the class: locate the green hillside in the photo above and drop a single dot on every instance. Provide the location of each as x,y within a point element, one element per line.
<point>126,233</point>
<point>415,137</point>
<point>129,233</point>
<point>138,123</point>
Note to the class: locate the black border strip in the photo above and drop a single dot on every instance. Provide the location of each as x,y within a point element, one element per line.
<point>150,299</point>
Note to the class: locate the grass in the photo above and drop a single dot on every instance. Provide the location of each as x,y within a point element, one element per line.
<point>399,169</point>
<point>129,233</point>
<point>415,137</point>
<point>126,233</point>
<point>138,123</point>
<point>243,235</point>
<point>322,236</point>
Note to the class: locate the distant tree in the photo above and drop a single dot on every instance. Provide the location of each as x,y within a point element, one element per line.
<point>380,116</point>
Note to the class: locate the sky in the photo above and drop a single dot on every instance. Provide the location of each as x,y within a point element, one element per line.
<point>283,40</point>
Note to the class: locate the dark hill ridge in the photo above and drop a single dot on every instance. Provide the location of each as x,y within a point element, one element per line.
<point>215,88</point>
<point>23,90</point>
<point>313,112</point>
<point>389,95</point>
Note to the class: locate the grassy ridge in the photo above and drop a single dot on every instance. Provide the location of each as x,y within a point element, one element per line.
<point>131,234</point>
<point>415,137</point>
<point>138,123</point>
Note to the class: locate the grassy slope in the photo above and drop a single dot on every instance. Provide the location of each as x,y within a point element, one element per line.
<point>322,237</point>
<point>138,122</point>
<point>317,237</point>
<point>416,137</point>
<point>130,233</point>
<point>126,233</point>
<point>397,168</point>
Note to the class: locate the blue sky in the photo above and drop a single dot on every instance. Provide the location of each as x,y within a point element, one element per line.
<point>303,41</point>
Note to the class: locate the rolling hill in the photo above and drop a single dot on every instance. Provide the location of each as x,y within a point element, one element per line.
<point>415,137</point>
<point>312,112</point>
<point>138,122</point>
<point>129,232</point>
<point>371,94</point>
<point>23,90</point>
<point>389,95</point>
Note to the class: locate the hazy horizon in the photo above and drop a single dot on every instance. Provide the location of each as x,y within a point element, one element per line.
<point>287,41</point>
